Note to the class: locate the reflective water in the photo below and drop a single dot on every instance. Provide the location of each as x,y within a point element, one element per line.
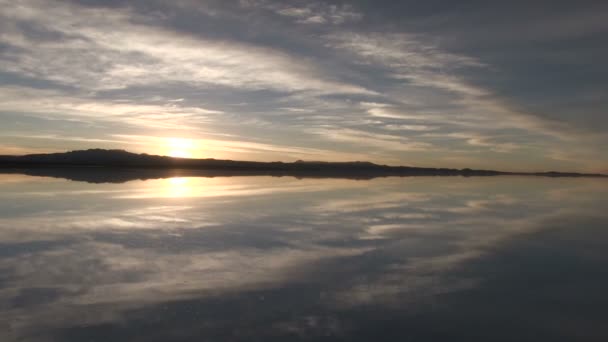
<point>265,259</point>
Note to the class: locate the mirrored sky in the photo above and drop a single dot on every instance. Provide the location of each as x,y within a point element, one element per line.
<point>265,259</point>
<point>515,85</point>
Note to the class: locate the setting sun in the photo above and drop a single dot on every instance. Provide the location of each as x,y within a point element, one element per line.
<point>180,147</point>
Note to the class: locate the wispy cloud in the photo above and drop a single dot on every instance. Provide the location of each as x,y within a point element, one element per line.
<point>443,97</point>
<point>378,141</point>
<point>104,49</point>
<point>255,150</point>
<point>313,12</point>
<point>56,104</point>
<point>333,78</point>
<point>137,254</point>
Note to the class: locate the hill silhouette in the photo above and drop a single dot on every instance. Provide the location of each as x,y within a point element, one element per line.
<point>100,165</point>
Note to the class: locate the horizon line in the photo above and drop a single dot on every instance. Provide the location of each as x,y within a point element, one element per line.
<point>465,169</point>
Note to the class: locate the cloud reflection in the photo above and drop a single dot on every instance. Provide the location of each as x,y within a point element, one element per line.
<point>110,255</point>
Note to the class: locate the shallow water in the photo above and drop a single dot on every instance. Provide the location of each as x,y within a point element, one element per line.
<point>268,258</point>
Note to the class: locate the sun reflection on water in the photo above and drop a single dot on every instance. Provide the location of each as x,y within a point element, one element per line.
<point>178,187</point>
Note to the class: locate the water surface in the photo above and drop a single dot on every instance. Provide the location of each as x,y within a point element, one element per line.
<point>285,259</point>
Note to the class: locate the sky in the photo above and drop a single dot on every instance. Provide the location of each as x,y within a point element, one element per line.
<point>511,85</point>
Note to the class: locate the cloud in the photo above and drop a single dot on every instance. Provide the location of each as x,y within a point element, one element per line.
<point>298,110</point>
<point>442,96</point>
<point>378,141</point>
<point>106,258</point>
<point>302,71</point>
<point>419,128</point>
<point>313,13</point>
<point>51,104</point>
<point>251,149</point>
<point>102,49</point>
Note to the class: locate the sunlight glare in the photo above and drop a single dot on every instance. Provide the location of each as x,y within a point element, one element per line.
<point>180,147</point>
<point>178,187</point>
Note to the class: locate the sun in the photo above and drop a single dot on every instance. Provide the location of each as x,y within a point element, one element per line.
<point>180,147</point>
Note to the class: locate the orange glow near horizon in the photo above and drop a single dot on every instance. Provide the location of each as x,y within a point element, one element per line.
<point>180,147</point>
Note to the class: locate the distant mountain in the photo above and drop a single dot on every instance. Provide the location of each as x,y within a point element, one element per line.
<point>89,157</point>
<point>357,169</point>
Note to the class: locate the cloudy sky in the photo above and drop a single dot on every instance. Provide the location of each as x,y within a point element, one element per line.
<point>503,84</point>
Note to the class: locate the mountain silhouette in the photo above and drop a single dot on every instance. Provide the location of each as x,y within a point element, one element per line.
<point>100,165</point>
